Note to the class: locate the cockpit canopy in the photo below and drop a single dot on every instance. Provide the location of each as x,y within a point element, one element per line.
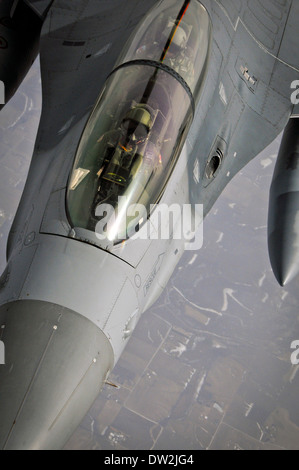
<point>176,34</point>
<point>136,131</point>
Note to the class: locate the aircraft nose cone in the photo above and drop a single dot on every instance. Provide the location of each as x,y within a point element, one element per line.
<point>56,362</point>
<point>283,238</point>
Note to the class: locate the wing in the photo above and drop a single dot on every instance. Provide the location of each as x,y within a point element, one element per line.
<point>80,43</point>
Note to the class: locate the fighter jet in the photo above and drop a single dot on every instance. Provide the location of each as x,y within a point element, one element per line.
<point>147,106</point>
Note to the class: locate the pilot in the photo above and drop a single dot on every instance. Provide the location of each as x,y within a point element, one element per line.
<point>126,145</point>
<point>137,124</point>
<point>129,139</point>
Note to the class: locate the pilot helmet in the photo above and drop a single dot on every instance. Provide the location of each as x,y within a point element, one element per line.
<point>179,40</point>
<point>137,124</point>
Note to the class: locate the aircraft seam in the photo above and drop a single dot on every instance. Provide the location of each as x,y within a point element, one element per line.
<point>114,303</point>
<point>235,27</point>
<point>70,397</point>
<point>29,387</point>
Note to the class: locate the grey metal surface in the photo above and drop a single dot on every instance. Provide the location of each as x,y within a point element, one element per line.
<point>246,119</point>
<point>245,105</point>
<point>56,364</point>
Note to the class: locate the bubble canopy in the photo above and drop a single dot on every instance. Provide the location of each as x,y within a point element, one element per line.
<point>176,34</point>
<point>139,124</point>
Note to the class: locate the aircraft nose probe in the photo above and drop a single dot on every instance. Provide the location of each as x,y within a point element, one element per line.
<point>283,222</point>
<point>56,361</point>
